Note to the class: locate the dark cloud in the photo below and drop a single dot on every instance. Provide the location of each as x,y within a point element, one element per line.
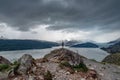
<point>61,14</point>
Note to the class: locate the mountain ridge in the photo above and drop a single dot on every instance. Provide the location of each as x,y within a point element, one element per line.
<point>113,48</point>
<point>18,44</point>
<point>86,45</point>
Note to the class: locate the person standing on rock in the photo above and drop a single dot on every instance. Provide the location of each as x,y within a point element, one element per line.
<point>63,44</point>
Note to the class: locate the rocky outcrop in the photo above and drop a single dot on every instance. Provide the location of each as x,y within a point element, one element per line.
<point>113,59</point>
<point>63,55</point>
<point>4,60</point>
<point>61,64</point>
<point>48,68</point>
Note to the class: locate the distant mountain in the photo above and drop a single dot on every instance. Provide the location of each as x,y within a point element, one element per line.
<point>107,44</point>
<point>14,44</point>
<point>114,41</point>
<point>102,45</point>
<point>113,48</point>
<point>75,42</point>
<point>2,37</point>
<point>86,45</point>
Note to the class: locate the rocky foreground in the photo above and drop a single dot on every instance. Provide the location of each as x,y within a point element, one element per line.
<point>60,64</point>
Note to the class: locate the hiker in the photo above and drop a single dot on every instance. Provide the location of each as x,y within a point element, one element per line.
<point>62,44</point>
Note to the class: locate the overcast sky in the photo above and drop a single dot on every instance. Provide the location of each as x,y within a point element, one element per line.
<point>52,20</point>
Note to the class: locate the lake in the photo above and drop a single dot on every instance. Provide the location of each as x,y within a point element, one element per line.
<point>91,53</point>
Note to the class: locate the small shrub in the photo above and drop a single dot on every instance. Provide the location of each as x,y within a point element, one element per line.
<point>15,66</point>
<point>48,76</point>
<point>81,67</point>
<point>103,63</point>
<point>65,64</point>
<point>4,67</point>
<point>15,63</point>
<point>93,60</point>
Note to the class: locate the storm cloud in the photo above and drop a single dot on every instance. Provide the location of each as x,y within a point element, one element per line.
<point>61,14</point>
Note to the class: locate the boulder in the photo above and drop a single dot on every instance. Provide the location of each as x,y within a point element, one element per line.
<point>25,64</point>
<point>4,60</point>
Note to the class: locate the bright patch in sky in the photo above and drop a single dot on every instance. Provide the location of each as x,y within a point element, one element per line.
<point>40,32</point>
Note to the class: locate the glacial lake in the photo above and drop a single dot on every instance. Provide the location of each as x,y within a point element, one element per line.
<point>91,53</point>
